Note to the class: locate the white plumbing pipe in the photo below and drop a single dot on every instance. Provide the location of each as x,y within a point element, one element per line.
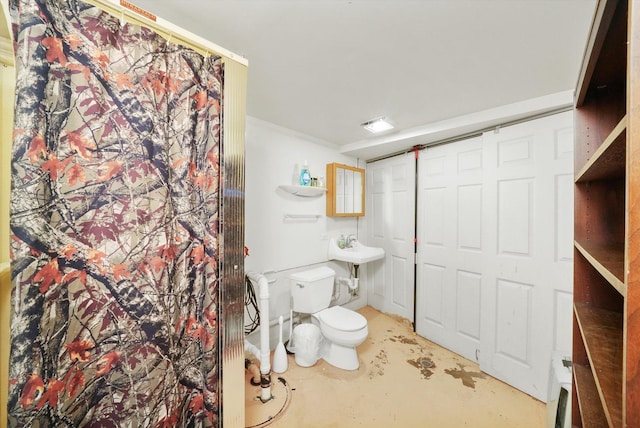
<point>265,364</point>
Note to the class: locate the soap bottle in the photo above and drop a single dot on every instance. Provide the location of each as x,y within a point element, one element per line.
<point>305,175</point>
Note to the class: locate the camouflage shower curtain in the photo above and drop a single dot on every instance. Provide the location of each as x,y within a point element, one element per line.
<point>114,220</point>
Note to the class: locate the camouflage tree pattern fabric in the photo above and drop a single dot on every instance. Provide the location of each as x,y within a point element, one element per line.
<point>114,220</point>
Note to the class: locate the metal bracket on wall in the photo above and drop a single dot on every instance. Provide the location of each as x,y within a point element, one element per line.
<point>302,216</point>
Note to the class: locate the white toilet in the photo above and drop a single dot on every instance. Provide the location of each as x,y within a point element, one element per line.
<point>342,329</point>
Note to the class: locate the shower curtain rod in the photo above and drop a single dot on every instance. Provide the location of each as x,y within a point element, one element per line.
<point>171,32</point>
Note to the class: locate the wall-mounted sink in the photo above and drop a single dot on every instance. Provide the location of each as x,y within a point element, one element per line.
<point>356,254</point>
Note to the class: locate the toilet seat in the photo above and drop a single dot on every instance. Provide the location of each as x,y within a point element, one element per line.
<point>342,319</point>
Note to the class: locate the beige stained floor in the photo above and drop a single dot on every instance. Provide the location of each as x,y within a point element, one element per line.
<point>403,381</point>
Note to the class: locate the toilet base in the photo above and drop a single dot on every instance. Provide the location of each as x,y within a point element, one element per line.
<point>342,357</point>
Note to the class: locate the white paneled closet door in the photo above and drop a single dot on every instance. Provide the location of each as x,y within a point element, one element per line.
<point>495,233</point>
<point>390,225</point>
<point>449,271</point>
<point>528,256</point>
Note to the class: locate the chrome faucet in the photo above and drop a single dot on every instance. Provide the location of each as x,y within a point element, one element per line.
<point>350,240</point>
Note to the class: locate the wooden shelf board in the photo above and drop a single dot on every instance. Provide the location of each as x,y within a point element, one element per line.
<point>591,411</point>
<point>608,260</point>
<point>601,332</point>
<point>609,161</point>
<point>597,35</point>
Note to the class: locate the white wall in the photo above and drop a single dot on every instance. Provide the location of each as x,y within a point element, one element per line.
<point>277,246</point>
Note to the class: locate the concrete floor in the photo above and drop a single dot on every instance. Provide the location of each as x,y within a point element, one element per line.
<point>403,381</point>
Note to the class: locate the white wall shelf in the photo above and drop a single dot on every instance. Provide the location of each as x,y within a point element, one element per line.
<point>306,191</point>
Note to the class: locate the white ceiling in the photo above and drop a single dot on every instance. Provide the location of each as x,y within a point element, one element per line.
<point>322,67</point>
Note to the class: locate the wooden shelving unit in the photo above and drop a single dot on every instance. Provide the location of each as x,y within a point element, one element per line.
<point>606,337</point>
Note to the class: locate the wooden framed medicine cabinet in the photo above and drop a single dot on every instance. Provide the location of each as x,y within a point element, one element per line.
<point>345,191</point>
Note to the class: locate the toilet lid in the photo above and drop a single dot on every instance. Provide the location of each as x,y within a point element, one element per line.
<point>343,319</point>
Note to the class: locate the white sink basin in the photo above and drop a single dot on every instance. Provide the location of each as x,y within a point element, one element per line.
<point>356,254</point>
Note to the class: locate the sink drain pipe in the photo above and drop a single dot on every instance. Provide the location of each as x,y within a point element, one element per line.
<point>265,365</point>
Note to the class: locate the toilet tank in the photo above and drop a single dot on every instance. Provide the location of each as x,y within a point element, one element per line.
<point>311,290</point>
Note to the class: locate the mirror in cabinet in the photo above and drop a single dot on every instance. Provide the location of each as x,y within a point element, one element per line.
<point>345,191</point>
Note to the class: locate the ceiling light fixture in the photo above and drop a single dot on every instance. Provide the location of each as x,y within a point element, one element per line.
<point>377,125</point>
